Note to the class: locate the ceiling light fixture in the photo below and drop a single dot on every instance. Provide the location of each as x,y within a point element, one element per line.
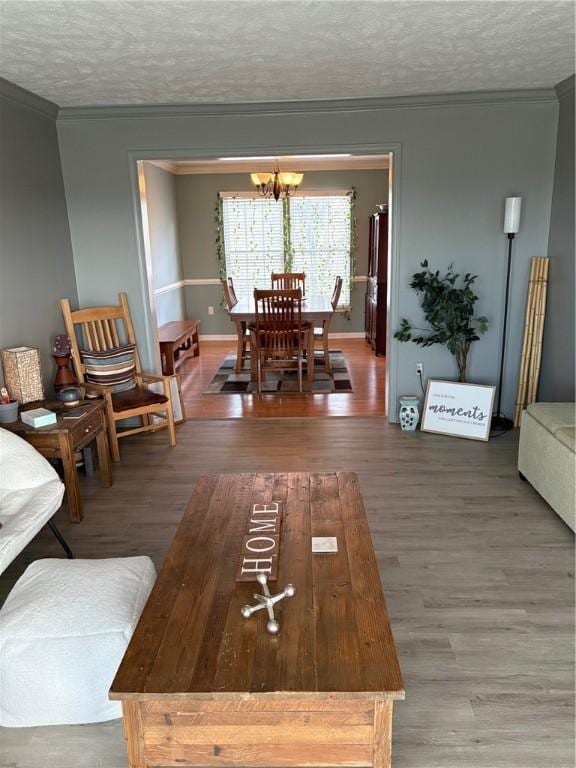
<point>278,184</point>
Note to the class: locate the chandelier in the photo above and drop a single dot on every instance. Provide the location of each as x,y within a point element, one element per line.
<point>278,184</point>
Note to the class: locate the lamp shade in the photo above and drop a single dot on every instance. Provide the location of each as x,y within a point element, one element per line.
<point>260,178</point>
<point>22,374</point>
<point>512,209</point>
<point>289,178</point>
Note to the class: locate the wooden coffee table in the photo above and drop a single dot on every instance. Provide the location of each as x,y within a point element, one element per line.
<point>202,686</point>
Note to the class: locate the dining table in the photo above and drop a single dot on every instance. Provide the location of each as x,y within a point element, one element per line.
<point>315,310</point>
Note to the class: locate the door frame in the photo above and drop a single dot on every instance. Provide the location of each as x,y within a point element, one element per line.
<point>138,188</point>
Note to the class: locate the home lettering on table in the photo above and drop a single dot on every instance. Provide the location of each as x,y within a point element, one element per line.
<point>261,544</point>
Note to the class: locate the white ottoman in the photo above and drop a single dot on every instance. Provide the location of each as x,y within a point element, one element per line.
<point>63,631</point>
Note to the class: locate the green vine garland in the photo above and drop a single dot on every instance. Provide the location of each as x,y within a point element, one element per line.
<point>220,254</point>
<point>288,250</point>
<point>353,244</point>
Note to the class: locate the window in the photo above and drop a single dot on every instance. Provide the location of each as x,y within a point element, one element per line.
<point>305,233</point>
<point>320,242</point>
<point>253,241</point>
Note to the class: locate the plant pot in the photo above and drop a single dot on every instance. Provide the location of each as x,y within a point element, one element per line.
<point>9,412</point>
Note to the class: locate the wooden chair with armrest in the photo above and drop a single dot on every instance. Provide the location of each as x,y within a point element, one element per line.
<point>102,329</point>
<point>289,281</point>
<point>241,331</point>
<point>278,336</point>
<point>321,334</point>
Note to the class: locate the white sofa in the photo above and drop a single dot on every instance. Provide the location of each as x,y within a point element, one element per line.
<point>546,456</point>
<point>30,493</point>
<point>66,624</point>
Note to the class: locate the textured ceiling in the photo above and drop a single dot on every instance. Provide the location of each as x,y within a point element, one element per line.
<point>82,52</point>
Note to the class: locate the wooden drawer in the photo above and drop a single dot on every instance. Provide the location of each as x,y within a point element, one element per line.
<point>275,733</point>
<point>85,431</point>
<point>47,445</point>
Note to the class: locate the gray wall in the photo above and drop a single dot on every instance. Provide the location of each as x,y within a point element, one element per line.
<point>557,372</point>
<point>166,265</point>
<point>36,264</point>
<point>459,160</point>
<point>197,196</point>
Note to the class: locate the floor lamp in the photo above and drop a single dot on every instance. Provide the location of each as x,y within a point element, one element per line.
<point>512,209</point>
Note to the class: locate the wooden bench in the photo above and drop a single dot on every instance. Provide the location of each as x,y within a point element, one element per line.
<point>178,341</point>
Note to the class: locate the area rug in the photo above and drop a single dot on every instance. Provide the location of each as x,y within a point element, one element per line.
<point>227,382</point>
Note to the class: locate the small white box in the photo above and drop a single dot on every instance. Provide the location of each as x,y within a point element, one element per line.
<point>324,544</point>
<point>38,417</point>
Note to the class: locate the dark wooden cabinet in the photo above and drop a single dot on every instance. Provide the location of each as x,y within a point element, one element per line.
<point>377,285</point>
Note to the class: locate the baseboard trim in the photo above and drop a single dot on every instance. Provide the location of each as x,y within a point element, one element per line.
<point>218,337</point>
<point>233,337</point>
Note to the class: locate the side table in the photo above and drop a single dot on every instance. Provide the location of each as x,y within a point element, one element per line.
<point>61,440</point>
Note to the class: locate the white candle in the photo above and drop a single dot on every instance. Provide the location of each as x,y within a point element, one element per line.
<point>512,215</point>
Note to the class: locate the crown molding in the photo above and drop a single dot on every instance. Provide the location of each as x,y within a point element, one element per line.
<point>139,111</point>
<point>165,165</point>
<point>565,87</point>
<point>349,163</point>
<point>21,96</point>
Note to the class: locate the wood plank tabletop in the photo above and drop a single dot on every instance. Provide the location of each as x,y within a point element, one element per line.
<point>67,417</point>
<point>335,636</point>
<point>313,308</point>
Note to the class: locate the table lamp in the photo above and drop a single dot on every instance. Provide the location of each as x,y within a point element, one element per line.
<point>22,374</point>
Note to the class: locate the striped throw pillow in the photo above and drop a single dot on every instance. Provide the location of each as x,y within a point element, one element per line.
<point>114,368</point>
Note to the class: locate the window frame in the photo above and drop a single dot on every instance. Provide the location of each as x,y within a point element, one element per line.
<point>349,193</point>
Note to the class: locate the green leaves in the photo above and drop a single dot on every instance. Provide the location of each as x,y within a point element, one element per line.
<point>482,324</point>
<point>404,333</point>
<point>449,311</point>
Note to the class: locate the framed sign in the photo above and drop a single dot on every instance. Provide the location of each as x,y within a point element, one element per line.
<point>177,402</point>
<point>459,410</point>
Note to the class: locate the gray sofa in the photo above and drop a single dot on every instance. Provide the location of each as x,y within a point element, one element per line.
<point>546,455</point>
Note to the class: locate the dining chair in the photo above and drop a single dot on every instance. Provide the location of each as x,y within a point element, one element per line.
<point>229,292</point>
<point>107,364</point>
<point>243,335</point>
<point>278,335</point>
<point>321,334</point>
<point>289,281</point>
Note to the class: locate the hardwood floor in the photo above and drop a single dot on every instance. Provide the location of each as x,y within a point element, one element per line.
<point>477,570</point>
<point>366,373</point>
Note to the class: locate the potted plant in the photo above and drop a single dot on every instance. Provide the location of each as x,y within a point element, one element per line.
<point>8,408</point>
<point>449,310</point>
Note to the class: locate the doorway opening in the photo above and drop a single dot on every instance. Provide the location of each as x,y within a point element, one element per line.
<point>192,240</point>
